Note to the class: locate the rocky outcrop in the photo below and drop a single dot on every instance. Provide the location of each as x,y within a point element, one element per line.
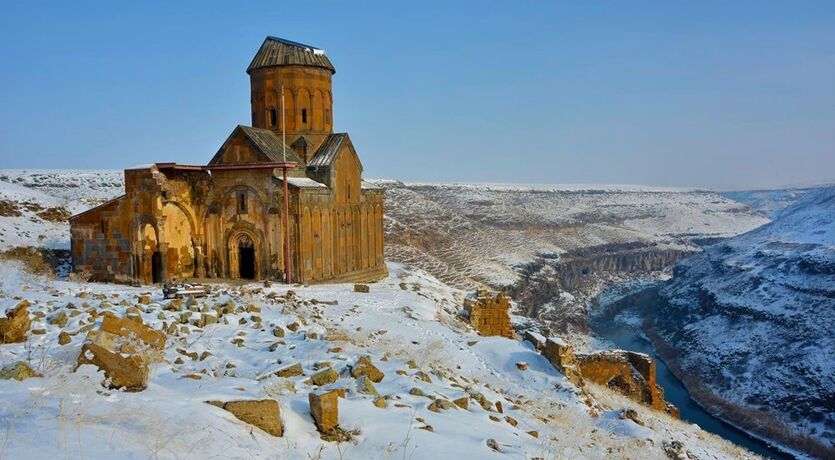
<point>122,348</point>
<point>489,313</point>
<point>15,325</point>
<point>575,267</point>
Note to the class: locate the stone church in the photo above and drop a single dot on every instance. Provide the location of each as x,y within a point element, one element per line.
<point>282,199</point>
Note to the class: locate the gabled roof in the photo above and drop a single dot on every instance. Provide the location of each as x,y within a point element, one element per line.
<point>327,152</point>
<point>279,52</point>
<point>265,141</point>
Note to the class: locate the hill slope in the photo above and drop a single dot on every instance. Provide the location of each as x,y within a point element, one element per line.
<point>752,318</point>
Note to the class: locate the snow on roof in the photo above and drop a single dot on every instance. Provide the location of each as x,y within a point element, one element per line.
<point>142,166</point>
<point>365,185</point>
<point>304,182</point>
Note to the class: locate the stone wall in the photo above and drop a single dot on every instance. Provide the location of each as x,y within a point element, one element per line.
<point>489,314</point>
<point>629,373</point>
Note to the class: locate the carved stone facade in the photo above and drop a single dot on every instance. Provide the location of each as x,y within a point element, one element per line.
<point>226,219</point>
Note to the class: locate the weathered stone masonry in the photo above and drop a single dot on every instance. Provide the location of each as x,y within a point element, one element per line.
<point>490,314</point>
<point>225,219</point>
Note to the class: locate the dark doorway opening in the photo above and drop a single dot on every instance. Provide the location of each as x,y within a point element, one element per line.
<point>246,262</point>
<point>156,267</point>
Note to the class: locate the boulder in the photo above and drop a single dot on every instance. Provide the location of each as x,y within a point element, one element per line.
<point>365,367</point>
<point>324,407</point>
<point>362,288</point>
<point>423,376</point>
<point>441,404</point>
<point>15,325</point>
<point>59,319</point>
<point>19,371</point>
<point>290,371</point>
<point>324,377</point>
<point>118,350</point>
<point>64,338</point>
<point>366,386</point>
<point>264,414</point>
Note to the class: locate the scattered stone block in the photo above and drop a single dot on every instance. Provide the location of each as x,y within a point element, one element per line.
<point>366,386</point>
<point>264,414</point>
<point>19,371</point>
<point>420,375</point>
<point>362,288</point>
<point>59,319</point>
<point>117,350</point>
<point>441,404</point>
<point>324,407</point>
<point>64,338</point>
<point>324,377</point>
<point>364,366</point>
<point>290,371</point>
<point>462,402</point>
<point>16,324</point>
<point>491,443</point>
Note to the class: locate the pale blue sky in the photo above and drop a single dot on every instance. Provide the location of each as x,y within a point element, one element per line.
<point>716,94</point>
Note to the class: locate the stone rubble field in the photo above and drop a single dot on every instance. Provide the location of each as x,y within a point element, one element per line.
<point>392,373</point>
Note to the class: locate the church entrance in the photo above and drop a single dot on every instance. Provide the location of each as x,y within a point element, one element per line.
<point>246,258</point>
<point>156,267</point>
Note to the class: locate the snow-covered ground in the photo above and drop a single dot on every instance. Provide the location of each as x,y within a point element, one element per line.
<point>753,317</point>
<point>408,316</point>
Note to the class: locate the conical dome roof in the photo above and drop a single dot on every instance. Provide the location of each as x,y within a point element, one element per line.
<point>280,52</point>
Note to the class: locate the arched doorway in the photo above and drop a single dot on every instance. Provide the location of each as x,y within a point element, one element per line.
<point>156,267</point>
<point>246,257</point>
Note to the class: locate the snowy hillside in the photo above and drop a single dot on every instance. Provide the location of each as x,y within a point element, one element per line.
<point>408,327</point>
<point>768,202</point>
<point>32,218</point>
<point>753,318</point>
<point>483,233</point>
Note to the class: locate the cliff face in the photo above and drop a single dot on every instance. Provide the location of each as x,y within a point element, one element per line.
<point>750,321</point>
<point>552,248</point>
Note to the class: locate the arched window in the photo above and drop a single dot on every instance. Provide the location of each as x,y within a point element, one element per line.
<point>304,116</point>
<point>273,117</point>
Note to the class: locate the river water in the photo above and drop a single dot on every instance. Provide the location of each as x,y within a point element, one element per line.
<point>628,336</point>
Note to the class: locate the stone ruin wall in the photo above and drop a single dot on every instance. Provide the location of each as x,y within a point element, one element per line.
<point>490,314</point>
<point>629,373</point>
